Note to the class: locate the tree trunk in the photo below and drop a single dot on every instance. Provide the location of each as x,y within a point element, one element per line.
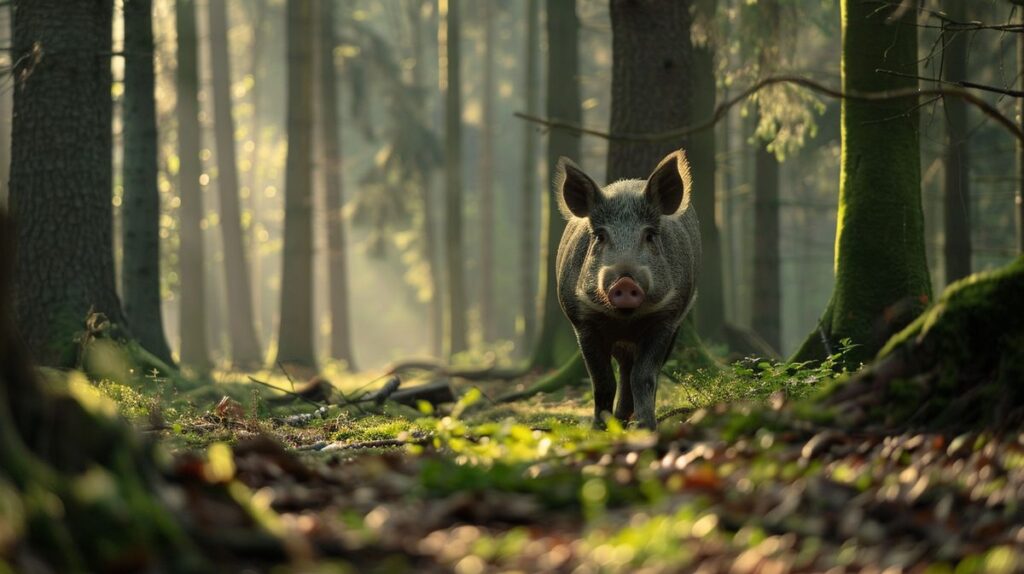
<point>1020,146</point>
<point>488,321</point>
<point>652,83</point>
<point>6,104</point>
<point>295,332</point>
<point>555,342</point>
<point>61,172</point>
<point>140,212</point>
<point>767,296</point>
<point>652,91</point>
<point>245,346</point>
<point>450,35</point>
<point>426,186</point>
<point>341,335</point>
<point>528,225</point>
<point>956,188</point>
<point>882,279</point>
<point>701,153</point>
<point>193,349</point>
<point>50,441</point>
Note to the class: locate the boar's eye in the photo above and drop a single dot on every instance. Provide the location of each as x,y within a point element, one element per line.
<point>600,235</point>
<point>649,235</point>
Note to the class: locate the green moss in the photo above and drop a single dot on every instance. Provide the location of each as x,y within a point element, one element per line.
<point>960,363</point>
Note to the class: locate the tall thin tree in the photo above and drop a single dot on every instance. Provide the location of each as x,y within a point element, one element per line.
<point>488,319</point>
<point>295,332</point>
<point>193,349</point>
<point>425,183</point>
<point>881,270</point>
<point>957,183</point>
<point>337,268</point>
<point>530,185</point>
<point>449,37</point>
<point>766,303</point>
<point>140,211</point>
<point>555,341</point>
<point>702,155</point>
<point>245,346</point>
<point>61,172</point>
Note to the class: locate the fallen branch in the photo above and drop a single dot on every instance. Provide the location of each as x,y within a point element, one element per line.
<point>724,107</point>
<point>433,366</point>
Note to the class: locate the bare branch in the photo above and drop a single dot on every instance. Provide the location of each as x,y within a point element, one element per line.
<point>961,83</point>
<point>724,107</point>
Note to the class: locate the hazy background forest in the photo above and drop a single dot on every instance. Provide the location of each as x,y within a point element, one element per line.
<point>277,286</point>
<point>779,151</point>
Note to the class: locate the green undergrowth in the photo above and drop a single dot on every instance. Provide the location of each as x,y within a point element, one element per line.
<point>749,467</point>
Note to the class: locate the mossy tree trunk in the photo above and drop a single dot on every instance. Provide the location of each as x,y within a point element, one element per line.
<point>555,343</point>
<point>246,350</point>
<point>881,272</point>
<point>61,172</point>
<point>193,350</point>
<point>295,331</point>
<point>958,365</point>
<point>140,211</point>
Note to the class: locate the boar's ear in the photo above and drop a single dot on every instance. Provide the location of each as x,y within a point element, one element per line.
<point>577,193</point>
<point>668,188</point>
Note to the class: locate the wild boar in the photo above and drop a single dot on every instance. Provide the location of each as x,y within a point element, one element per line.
<point>627,275</point>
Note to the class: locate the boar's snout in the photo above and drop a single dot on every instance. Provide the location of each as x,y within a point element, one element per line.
<point>625,293</point>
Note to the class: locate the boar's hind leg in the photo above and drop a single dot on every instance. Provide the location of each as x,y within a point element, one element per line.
<point>644,378</point>
<point>599,365</point>
<point>624,403</point>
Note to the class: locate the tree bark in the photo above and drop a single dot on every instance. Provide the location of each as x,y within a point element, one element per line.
<point>450,61</point>
<point>767,295</point>
<point>6,115</point>
<point>140,212</point>
<point>556,343</point>
<point>295,332</point>
<point>701,153</point>
<point>1020,146</point>
<point>61,172</point>
<point>882,279</point>
<point>194,348</point>
<point>246,350</point>
<point>488,321</point>
<point>341,334</point>
<point>652,85</point>
<point>529,205</point>
<point>956,187</point>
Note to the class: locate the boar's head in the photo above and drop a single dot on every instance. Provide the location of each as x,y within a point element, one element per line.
<point>632,263</point>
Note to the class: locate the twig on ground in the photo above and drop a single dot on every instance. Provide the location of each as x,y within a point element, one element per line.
<point>285,391</point>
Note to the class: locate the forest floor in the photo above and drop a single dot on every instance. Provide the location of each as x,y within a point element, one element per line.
<point>743,476</point>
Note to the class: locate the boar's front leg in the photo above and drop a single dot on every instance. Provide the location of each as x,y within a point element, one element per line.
<point>651,357</point>
<point>598,359</point>
<point>624,402</point>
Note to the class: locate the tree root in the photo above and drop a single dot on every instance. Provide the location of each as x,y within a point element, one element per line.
<point>571,373</point>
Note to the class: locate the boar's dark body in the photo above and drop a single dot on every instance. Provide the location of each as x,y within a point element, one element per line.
<point>627,275</point>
